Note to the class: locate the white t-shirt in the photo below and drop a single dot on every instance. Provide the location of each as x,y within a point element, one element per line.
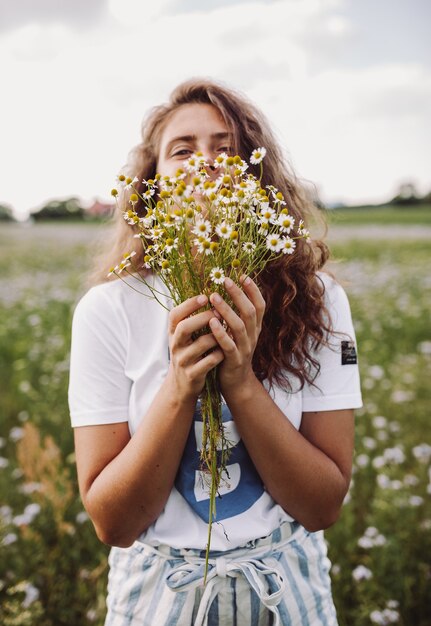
<point>119,360</point>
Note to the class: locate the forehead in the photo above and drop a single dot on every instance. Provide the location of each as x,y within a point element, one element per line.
<point>193,119</point>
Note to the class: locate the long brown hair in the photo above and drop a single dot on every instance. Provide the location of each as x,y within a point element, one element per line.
<point>296,320</point>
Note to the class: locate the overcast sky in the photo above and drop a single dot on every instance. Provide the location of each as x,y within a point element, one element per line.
<point>346,84</point>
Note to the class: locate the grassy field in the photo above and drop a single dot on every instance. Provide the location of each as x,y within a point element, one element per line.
<point>52,567</point>
<point>388,214</point>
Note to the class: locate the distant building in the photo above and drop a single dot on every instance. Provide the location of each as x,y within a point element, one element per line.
<point>100,209</point>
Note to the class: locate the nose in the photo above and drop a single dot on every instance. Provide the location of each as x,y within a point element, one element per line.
<point>211,169</point>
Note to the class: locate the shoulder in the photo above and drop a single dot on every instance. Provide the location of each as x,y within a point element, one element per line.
<point>117,299</point>
<point>335,298</point>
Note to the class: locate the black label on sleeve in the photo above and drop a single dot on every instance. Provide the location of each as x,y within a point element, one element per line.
<point>348,353</point>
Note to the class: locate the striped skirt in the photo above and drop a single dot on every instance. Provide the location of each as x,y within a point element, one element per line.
<point>279,580</point>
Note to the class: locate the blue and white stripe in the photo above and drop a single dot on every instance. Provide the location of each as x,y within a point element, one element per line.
<point>280,580</point>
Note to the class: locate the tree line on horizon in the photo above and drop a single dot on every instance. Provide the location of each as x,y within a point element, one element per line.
<point>72,208</point>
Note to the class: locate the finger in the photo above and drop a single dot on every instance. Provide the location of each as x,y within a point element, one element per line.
<point>185,329</point>
<point>207,363</point>
<point>185,309</point>
<point>234,322</point>
<point>255,296</point>
<point>244,305</point>
<point>226,343</point>
<point>197,350</point>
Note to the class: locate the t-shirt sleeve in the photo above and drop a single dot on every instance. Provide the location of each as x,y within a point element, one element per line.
<point>98,386</point>
<point>337,384</point>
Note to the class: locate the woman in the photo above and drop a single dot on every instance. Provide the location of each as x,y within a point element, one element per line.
<point>289,388</point>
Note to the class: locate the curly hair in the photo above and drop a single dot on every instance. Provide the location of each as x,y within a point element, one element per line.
<point>296,321</point>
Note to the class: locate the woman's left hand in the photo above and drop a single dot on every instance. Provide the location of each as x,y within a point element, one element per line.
<point>239,340</point>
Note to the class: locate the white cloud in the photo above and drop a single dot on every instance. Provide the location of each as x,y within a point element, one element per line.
<point>23,12</point>
<point>75,102</point>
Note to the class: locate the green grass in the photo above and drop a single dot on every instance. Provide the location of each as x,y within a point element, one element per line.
<point>387,214</point>
<point>53,546</point>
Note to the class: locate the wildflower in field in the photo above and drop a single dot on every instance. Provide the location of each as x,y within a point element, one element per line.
<point>31,594</point>
<point>411,480</point>
<point>371,538</point>
<point>385,617</point>
<point>16,433</point>
<point>362,460</point>
<point>6,514</point>
<point>82,517</point>
<point>380,422</point>
<point>30,487</point>
<point>8,539</point>
<point>402,395</point>
<point>394,456</point>
<point>425,347</point>
<point>369,443</point>
<point>361,573</point>
<point>376,372</point>
<point>422,452</point>
<point>416,501</point>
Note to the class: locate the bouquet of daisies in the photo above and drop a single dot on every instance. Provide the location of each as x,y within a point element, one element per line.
<point>197,228</point>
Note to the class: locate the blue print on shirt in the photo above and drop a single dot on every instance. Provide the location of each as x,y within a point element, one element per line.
<point>242,487</point>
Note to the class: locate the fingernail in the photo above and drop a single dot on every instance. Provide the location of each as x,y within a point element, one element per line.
<point>228,282</point>
<point>216,314</point>
<point>202,299</point>
<point>247,281</point>
<point>216,298</point>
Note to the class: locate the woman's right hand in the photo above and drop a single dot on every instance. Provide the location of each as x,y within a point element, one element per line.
<point>190,362</point>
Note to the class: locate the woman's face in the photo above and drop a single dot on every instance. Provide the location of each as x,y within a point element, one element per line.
<point>192,128</point>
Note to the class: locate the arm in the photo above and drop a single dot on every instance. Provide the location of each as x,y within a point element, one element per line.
<point>306,472</point>
<point>125,481</point>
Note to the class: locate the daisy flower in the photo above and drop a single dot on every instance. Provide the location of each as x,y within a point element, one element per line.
<point>128,255</point>
<point>267,215</point>
<point>224,230</point>
<point>286,222</point>
<point>220,160</point>
<point>288,245</point>
<point>203,245</point>
<point>129,182</point>
<point>121,266</point>
<point>148,261</point>
<point>302,231</point>
<point>170,244</point>
<point>202,227</point>
<point>249,247</point>
<point>217,275</point>
<point>195,163</point>
<point>273,242</point>
<point>148,193</point>
<point>257,156</point>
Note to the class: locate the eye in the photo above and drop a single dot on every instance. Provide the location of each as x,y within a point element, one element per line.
<point>182,152</point>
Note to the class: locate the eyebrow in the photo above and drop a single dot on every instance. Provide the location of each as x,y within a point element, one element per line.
<point>192,138</point>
